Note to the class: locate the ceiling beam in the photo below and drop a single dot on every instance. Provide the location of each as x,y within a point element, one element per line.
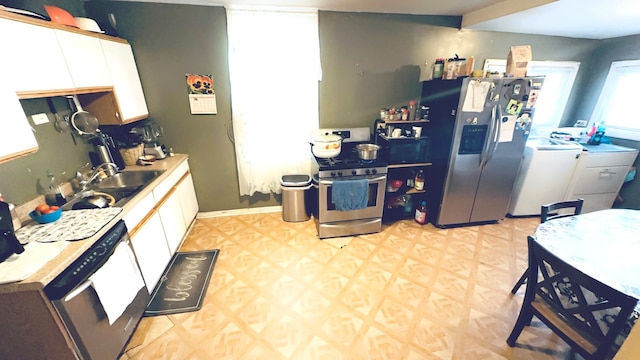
<point>497,10</point>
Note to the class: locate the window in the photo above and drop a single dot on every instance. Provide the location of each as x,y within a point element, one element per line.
<point>559,78</point>
<point>274,67</point>
<point>618,96</point>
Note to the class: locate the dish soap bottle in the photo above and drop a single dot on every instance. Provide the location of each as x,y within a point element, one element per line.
<point>421,213</point>
<point>54,195</point>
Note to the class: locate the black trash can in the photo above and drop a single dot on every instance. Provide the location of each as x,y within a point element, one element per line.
<point>294,194</point>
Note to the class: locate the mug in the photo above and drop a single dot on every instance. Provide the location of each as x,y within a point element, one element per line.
<point>396,133</point>
<point>389,132</point>
<point>417,131</point>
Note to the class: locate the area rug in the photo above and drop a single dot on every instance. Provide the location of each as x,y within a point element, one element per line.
<point>184,283</point>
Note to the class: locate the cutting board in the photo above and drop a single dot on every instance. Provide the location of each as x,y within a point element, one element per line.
<point>73,225</point>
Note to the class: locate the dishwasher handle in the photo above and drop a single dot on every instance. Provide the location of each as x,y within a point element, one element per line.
<point>78,290</point>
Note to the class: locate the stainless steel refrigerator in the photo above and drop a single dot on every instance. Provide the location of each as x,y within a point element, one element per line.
<point>479,130</point>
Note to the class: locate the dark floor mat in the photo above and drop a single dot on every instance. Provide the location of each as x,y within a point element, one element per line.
<point>184,283</point>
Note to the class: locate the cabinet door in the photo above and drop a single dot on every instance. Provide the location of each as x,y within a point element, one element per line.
<point>17,137</point>
<point>150,247</point>
<point>188,199</point>
<point>85,60</point>
<point>126,81</point>
<point>34,57</point>
<point>172,222</point>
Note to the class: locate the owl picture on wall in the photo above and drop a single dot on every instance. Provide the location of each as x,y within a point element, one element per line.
<point>200,84</point>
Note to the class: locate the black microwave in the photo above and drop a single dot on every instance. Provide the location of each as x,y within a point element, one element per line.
<point>404,150</point>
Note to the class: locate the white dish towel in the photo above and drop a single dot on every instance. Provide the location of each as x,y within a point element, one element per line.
<point>117,282</point>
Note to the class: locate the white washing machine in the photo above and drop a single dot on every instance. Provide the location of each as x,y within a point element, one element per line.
<point>545,174</point>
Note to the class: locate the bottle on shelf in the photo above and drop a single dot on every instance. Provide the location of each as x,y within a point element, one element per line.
<point>419,183</point>
<point>421,213</point>
<point>412,110</point>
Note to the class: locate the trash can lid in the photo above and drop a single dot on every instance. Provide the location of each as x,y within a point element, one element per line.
<point>295,180</point>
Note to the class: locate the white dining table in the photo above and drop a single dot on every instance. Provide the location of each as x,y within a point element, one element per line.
<point>604,245</point>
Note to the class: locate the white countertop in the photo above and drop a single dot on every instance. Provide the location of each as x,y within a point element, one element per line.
<point>73,249</point>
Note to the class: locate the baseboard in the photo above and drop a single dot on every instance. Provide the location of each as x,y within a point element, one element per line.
<point>246,211</point>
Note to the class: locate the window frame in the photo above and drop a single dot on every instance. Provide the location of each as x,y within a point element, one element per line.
<point>607,94</point>
<point>571,68</point>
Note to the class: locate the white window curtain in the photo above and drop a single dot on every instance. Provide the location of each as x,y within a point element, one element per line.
<point>274,65</point>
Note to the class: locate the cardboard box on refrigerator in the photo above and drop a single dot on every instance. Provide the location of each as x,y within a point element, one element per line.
<point>518,60</point>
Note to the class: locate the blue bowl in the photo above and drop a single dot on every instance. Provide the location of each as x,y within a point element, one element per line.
<point>46,218</point>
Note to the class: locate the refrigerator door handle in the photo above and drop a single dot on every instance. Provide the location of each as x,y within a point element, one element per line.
<point>490,136</point>
<point>496,137</point>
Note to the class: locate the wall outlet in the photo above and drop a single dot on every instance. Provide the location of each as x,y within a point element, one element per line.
<point>40,118</point>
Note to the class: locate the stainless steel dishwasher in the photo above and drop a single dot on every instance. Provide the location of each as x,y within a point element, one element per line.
<point>79,306</point>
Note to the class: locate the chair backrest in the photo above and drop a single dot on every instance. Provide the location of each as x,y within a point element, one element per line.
<point>586,313</point>
<point>549,211</point>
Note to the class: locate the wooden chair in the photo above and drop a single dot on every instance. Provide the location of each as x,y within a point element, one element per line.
<point>549,212</point>
<point>584,312</point>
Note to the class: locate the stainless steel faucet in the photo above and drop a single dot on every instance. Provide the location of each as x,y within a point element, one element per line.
<point>110,169</point>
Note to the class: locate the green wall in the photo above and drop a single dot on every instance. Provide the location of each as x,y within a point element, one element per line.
<point>369,61</point>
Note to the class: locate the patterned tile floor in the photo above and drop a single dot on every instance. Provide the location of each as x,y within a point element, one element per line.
<point>408,292</point>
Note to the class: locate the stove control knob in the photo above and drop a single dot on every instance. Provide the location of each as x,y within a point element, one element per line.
<point>367,171</point>
<point>339,173</point>
<point>353,172</point>
<point>374,171</point>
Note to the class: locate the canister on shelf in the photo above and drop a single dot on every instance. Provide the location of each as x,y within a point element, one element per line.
<point>438,67</point>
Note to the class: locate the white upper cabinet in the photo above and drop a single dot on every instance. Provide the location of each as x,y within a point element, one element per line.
<point>126,80</point>
<point>47,59</point>
<point>17,136</point>
<point>34,57</point>
<point>84,58</point>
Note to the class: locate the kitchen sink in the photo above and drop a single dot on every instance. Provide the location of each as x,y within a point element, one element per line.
<point>126,180</point>
<point>122,186</point>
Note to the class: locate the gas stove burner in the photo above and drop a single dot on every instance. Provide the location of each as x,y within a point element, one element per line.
<point>370,161</point>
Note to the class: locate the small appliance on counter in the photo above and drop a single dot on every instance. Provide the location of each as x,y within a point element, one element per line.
<point>151,133</point>
<point>9,243</point>
<point>105,151</point>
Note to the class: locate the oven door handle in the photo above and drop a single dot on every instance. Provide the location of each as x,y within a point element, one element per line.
<point>328,225</point>
<point>380,178</point>
<point>79,289</point>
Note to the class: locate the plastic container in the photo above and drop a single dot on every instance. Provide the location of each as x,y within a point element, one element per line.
<point>295,191</point>
<point>421,213</point>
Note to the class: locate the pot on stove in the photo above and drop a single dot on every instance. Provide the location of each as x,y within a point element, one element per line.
<point>326,146</point>
<point>367,151</point>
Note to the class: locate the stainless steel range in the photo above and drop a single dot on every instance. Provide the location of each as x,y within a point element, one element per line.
<point>346,171</point>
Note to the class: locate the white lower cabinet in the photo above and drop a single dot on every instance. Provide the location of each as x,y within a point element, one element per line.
<point>159,222</point>
<point>150,246</point>
<point>172,222</point>
<point>188,199</point>
<point>600,173</point>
